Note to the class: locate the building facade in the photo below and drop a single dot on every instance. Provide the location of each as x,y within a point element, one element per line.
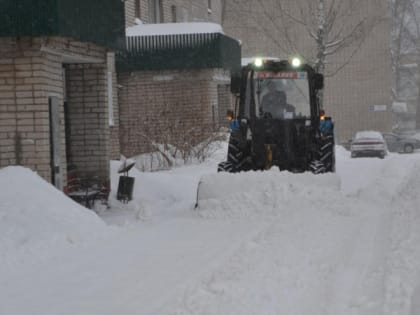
<point>58,92</point>
<point>359,78</point>
<point>174,86</point>
<point>173,11</point>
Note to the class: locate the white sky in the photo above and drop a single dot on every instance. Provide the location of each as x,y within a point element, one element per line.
<point>339,244</point>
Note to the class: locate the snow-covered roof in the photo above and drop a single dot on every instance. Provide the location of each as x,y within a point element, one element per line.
<point>174,29</point>
<point>368,134</point>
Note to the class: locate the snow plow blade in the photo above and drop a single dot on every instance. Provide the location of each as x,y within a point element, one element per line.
<point>224,189</point>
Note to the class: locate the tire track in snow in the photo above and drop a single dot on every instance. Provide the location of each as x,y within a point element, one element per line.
<point>286,268</point>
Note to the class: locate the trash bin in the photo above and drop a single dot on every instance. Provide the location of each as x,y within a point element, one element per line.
<point>126,183</point>
<point>125,188</point>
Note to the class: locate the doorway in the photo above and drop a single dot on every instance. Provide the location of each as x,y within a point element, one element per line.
<point>55,142</point>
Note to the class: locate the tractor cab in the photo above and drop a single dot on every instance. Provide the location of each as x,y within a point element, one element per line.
<point>278,90</point>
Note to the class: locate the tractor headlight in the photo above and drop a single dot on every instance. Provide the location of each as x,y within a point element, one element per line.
<point>296,62</point>
<point>258,62</point>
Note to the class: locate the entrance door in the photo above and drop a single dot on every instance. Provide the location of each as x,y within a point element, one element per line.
<point>55,143</point>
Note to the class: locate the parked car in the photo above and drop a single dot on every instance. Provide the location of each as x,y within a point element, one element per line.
<point>401,143</point>
<point>368,143</point>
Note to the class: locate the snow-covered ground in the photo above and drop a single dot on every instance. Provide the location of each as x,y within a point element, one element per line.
<point>273,243</point>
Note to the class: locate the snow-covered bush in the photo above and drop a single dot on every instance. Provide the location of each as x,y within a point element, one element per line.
<point>166,156</point>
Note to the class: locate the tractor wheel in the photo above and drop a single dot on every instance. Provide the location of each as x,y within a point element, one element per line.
<point>317,167</point>
<point>326,152</point>
<point>234,152</point>
<point>225,167</point>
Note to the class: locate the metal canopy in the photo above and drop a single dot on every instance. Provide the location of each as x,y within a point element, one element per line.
<point>186,51</point>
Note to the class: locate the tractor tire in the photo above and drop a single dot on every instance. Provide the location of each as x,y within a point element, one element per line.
<point>235,154</point>
<point>326,153</point>
<point>317,167</point>
<point>225,167</point>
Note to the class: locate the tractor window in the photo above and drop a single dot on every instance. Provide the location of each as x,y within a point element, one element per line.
<point>282,95</point>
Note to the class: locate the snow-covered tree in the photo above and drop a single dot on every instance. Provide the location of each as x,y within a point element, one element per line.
<point>333,26</point>
<point>406,52</point>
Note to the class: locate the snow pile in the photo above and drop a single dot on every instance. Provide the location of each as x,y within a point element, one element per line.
<point>160,193</point>
<point>255,193</point>
<point>174,29</point>
<point>36,219</point>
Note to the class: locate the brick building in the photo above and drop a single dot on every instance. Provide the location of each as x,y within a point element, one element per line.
<point>58,92</point>
<point>173,11</point>
<point>174,79</point>
<point>358,97</point>
<point>61,106</point>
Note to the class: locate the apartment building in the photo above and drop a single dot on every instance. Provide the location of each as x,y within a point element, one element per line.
<point>358,96</point>
<point>173,11</point>
<point>58,91</point>
<point>175,77</point>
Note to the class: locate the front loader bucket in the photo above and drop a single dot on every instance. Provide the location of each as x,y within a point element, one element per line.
<point>245,187</point>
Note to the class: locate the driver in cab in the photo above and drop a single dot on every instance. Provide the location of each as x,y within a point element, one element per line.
<point>274,104</point>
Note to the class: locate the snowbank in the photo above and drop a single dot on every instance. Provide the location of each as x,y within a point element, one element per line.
<point>36,219</point>
<point>254,193</point>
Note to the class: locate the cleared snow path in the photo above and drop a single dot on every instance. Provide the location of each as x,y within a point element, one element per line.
<point>316,259</point>
<point>312,259</point>
<point>285,269</point>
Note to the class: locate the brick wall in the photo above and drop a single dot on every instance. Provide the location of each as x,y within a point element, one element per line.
<point>224,99</point>
<point>153,102</point>
<point>130,11</point>
<point>31,72</point>
<point>27,77</point>
<point>198,11</point>
<point>186,11</point>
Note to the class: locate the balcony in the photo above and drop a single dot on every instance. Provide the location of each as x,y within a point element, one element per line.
<point>100,22</point>
<point>183,51</point>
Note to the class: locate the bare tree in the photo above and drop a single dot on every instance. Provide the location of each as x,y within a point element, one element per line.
<point>406,52</point>
<point>399,11</point>
<point>169,138</point>
<point>333,26</point>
